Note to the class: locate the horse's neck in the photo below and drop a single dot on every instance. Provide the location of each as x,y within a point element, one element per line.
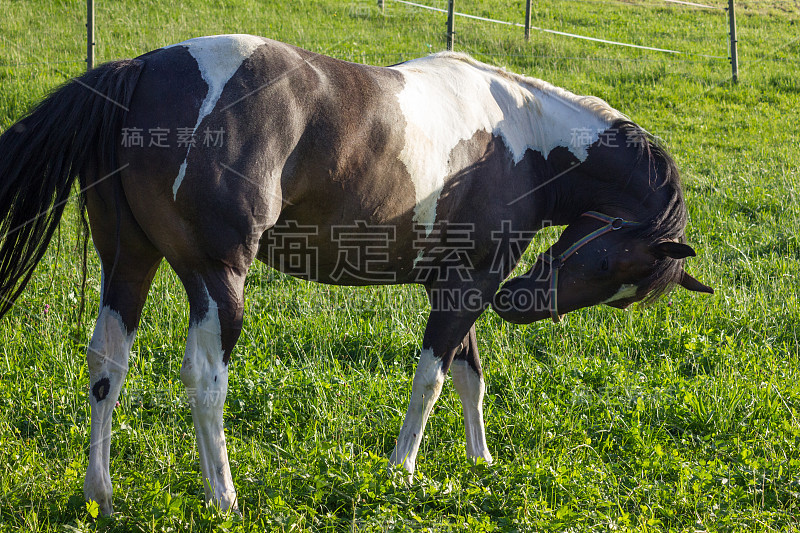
<point>613,180</point>
<point>607,181</point>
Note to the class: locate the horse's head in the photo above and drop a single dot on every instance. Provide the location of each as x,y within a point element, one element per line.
<point>598,259</point>
<point>633,255</point>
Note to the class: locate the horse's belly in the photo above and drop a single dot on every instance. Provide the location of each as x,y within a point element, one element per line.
<point>349,254</point>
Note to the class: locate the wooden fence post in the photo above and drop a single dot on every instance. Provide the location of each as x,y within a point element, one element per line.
<point>450,23</point>
<point>734,54</point>
<point>89,34</point>
<point>528,20</point>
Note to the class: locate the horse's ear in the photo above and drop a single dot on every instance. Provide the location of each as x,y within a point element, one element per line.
<point>675,250</point>
<point>689,283</point>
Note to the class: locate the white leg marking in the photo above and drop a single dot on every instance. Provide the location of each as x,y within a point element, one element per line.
<point>218,58</point>
<point>425,390</point>
<point>107,358</point>
<point>205,377</point>
<point>470,388</point>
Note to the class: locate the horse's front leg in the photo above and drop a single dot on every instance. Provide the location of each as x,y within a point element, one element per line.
<point>468,382</point>
<point>443,338</point>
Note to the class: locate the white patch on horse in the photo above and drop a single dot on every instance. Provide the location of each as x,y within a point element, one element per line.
<point>448,98</point>
<point>425,390</point>
<point>107,359</point>
<point>205,376</point>
<point>218,58</point>
<point>420,257</point>
<point>625,291</point>
<point>470,388</point>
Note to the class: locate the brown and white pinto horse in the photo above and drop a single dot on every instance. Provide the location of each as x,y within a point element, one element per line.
<point>221,150</point>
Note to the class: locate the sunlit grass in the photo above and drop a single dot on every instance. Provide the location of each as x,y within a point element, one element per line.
<point>681,417</point>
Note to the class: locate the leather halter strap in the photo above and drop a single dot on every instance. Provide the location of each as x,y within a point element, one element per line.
<point>611,224</point>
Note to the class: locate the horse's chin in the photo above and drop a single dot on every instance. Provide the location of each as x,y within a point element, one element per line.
<point>520,318</point>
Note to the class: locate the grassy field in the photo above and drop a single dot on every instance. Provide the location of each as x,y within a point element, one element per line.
<point>682,416</point>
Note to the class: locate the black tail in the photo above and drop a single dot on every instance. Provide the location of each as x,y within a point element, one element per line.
<point>73,132</point>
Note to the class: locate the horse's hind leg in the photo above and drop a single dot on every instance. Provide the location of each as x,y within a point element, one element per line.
<point>125,285</point>
<point>468,382</point>
<point>216,299</point>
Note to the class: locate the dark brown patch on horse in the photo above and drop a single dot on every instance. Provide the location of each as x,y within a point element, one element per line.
<point>101,388</point>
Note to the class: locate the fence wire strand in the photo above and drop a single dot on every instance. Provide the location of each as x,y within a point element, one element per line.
<point>31,63</point>
<point>692,4</point>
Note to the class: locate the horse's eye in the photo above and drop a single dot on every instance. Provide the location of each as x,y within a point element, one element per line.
<point>604,264</point>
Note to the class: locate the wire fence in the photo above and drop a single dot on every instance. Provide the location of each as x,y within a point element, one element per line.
<point>451,14</point>
<point>686,56</point>
<point>557,32</point>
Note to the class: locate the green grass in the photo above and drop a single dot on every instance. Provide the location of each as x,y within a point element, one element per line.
<point>679,417</point>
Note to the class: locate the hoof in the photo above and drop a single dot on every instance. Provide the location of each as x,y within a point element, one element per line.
<point>226,502</point>
<point>405,470</point>
<point>101,496</point>
<point>483,459</point>
<point>103,509</point>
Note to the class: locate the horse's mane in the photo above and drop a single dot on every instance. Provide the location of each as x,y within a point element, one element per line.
<point>593,104</point>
